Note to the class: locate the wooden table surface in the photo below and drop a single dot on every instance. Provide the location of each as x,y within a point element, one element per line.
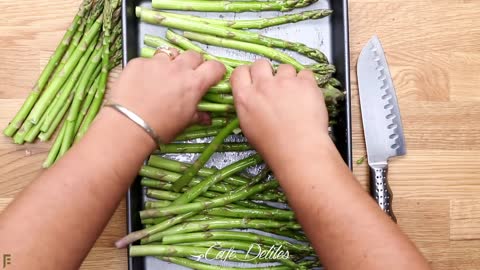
<point>434,55</point>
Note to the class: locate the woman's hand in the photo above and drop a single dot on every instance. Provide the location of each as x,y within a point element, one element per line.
<point>165,92</point>
<point>279,113</point>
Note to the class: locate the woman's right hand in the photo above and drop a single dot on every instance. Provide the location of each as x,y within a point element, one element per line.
<point>280,114</point>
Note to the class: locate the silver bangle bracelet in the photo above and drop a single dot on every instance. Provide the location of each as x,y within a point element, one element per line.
<point>136,119</point>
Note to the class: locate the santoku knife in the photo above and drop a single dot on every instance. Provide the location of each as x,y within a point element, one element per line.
<point>382,123</point>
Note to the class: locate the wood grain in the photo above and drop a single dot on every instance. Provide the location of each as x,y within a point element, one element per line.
<point>432,48</point>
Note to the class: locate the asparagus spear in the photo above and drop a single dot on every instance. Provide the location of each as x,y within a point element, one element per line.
<point>148,52</point>
<point>29,103</point>
<point>58,81</point>
<point>265,51</point>
<point>200,147</point>
<point>233,62</point>
<point>239,245</point>
<point>185,251</point>
<point>252,213</point>
<point>218,176</point>
<point>165,186</point>
<point>88,100</point>
<point>156,204</point>
<point>214,123</point>
<point>70,86</point>
<point>193,209</point>
<point>78,99</point>
<point>179,167</point>
<point>98,98</point>
<point>205,156</point>
<point>227,6</point>
<point>185,44</point>
<point>290,234</point>
<point>244,46</point>
<point>227,223</point>
<point>240,35</point>
<point>219,98</point>
<point>234,235</point>
<point>197,134</point>
<point>151,16</point>
<point>203,266</point>
<point>217,202</point>
<point>53,153</point>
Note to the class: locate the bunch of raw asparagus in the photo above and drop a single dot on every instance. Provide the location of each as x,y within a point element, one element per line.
<point>194,213</point>
<point>70,89</point>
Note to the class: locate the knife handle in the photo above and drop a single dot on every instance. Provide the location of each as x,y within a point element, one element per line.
<point>380,189</point>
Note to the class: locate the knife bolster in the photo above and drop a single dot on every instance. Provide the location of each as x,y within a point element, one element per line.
<point>380,189</point>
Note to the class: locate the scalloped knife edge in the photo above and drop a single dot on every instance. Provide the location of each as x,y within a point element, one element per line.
<point>381,119</point>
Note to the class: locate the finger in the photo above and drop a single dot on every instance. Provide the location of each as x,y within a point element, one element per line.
<point>241,78</point>
<point>306,74</point>
<point>189,59</point>
<point>286,71</point>
<point>261,70</point>
<point>202,118</point>
<point>165,54</point>
<point>209,73</point>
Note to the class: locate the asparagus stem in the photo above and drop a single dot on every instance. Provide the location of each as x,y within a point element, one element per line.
<point>234,235</point>
<point>203,186</point>
<point>153,183</point>
<point>217,202</point>
<point>155,42</point>
<point>221,87</point>
<point>185,251</point>
<point>78,98</point>
<point>244,46</point>
<point>290,234</point>
<point>204,106</point>
<point>137,235</point>
<point>200,147</point>
<point>69,86</point>
<point>203,266</point>
<point>240,35</point>
<point>32,134</point>
<point>59,80</point>
<point>219,98</point>
<point>185,44</point>
<point>239,245</point>
<point>225,6</point>
<point>161,195</point>
<point>62,47</point>
<point>197,134</point>
<point>98,98</point>
<point>192,209</point>
<point>205,156</point>
<point>214,190</point>
<point>227,223</point>
<point>252,213</point>
<point>331,94</point>
<point>151,16</point>
<point>233,62</point>
<point>45,136</point>
<point>156,204</point>
<point>214,123</point>
<point>179,167</point>
<point>53,153</point>
<point>88,99</point>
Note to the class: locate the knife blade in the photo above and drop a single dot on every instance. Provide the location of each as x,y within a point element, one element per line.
<point>382,123</point>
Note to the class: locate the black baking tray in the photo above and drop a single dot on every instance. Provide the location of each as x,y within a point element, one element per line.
<point>338,46</point>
